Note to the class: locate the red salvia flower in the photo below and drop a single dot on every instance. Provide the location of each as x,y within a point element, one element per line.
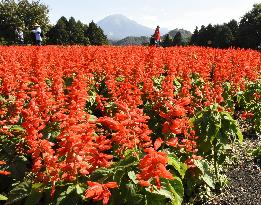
<point>98,192</point>
<point>4,172</point>
<point>153,165</point>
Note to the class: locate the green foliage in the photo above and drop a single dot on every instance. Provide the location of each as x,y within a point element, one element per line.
<point>70,196</point>
<point>167,41</point>
<point>257,153</point>
<point>3,198</point>
<point>68,32</point>
<point>206,175</point>
<point>22,13</point>
<point>173,190</point>
<point>19,192</point>
<point>131,40</point>
<point>16,163</point>
<point>245,34</point>
<point>58,34</point>
<point>25,14</point>
<point>96,35</point>
<point>177,40</point>
<point>216,130</point>
<point>233,25</point>
<point>194,37</point>
<point>178,165</point>
<point>250,28</point>
<point>248,101</point>
<point>205,36</point>
<point>223,37</point>
<point>185,35</point>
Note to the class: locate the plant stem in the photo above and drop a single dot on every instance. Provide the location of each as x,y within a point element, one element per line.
<point>215,160</point>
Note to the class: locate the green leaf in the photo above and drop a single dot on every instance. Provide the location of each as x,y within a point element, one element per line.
<point>179,166</point>
<point>206,176</point>
<point>3,198</point>
<point>19,192</point>
<point>79,189</point>
<point>120,78</point>
<point>118,175</point>
<point>165,192</point>
<point>203,167</point>
<point>100,173</point>
<point>171,189</point>
<point>92,118</point>
<point>33,198</point>
<point>37,185</point>
<point>132,176</point>
<point>17,128</point>
<point>2,98</point>
<point>67,199</point>
<point>70,189</point>
<point>60,199</point>
<point>176,188</point>
<point>214,130</point>
<point>132,194</point>
<point>239,135</point>
<point>155,199</point>
<point>234,126</point>
<point>208,180</point>
<point>204,147</point>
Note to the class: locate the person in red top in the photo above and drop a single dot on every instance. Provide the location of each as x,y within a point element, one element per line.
<point>157,36</point>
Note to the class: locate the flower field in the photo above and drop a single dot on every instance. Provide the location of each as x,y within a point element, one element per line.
<point>121,125</point>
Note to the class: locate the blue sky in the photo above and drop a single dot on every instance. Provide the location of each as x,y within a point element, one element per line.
<point>170,14</point>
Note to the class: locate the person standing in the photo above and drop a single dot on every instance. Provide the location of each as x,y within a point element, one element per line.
<point>37,32</point>
<point>19,35</point>
<point>157,36</point>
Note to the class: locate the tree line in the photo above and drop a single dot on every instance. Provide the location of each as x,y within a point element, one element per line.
<point>70,32</point>
<point>24,14</point>
<point>243,34</point>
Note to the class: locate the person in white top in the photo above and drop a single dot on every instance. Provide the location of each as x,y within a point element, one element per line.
<point>37,32</point>
<point>19,36</point>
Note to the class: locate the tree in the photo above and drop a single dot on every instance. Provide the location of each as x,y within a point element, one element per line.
<point>201,40</point>
<point>21,13</point>
<point>167,41</point>
<point>77,33</point>
<point>96,35</point>
<point>223,37</point>
<point>233,25</point>
<point>194,37</point>
<point>249,35</point>
<point>206,35</point>
<point>177,40</point>
<point>152,41</point>
<point>68,32</point>
<point>210,33</point>
<point>58,34</point>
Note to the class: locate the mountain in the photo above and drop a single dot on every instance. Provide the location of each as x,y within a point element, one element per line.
<point>142,40</point>
<point>118,26</point>
<point>185,35</point>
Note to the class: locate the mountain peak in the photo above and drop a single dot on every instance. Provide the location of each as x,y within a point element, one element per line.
<point>116,16</point>
<point>118,26</point>
<point>115,20</point>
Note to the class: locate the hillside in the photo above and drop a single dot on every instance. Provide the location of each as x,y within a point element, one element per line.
<point>118,26</point>
<point>132,40</point>
<point>186,35</point>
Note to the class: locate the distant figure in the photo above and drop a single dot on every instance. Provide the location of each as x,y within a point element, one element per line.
<point>37,32</point>
<point>19,35</point>
<point>157,36</point>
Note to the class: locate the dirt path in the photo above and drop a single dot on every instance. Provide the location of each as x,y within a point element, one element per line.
<point>245,178</point>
